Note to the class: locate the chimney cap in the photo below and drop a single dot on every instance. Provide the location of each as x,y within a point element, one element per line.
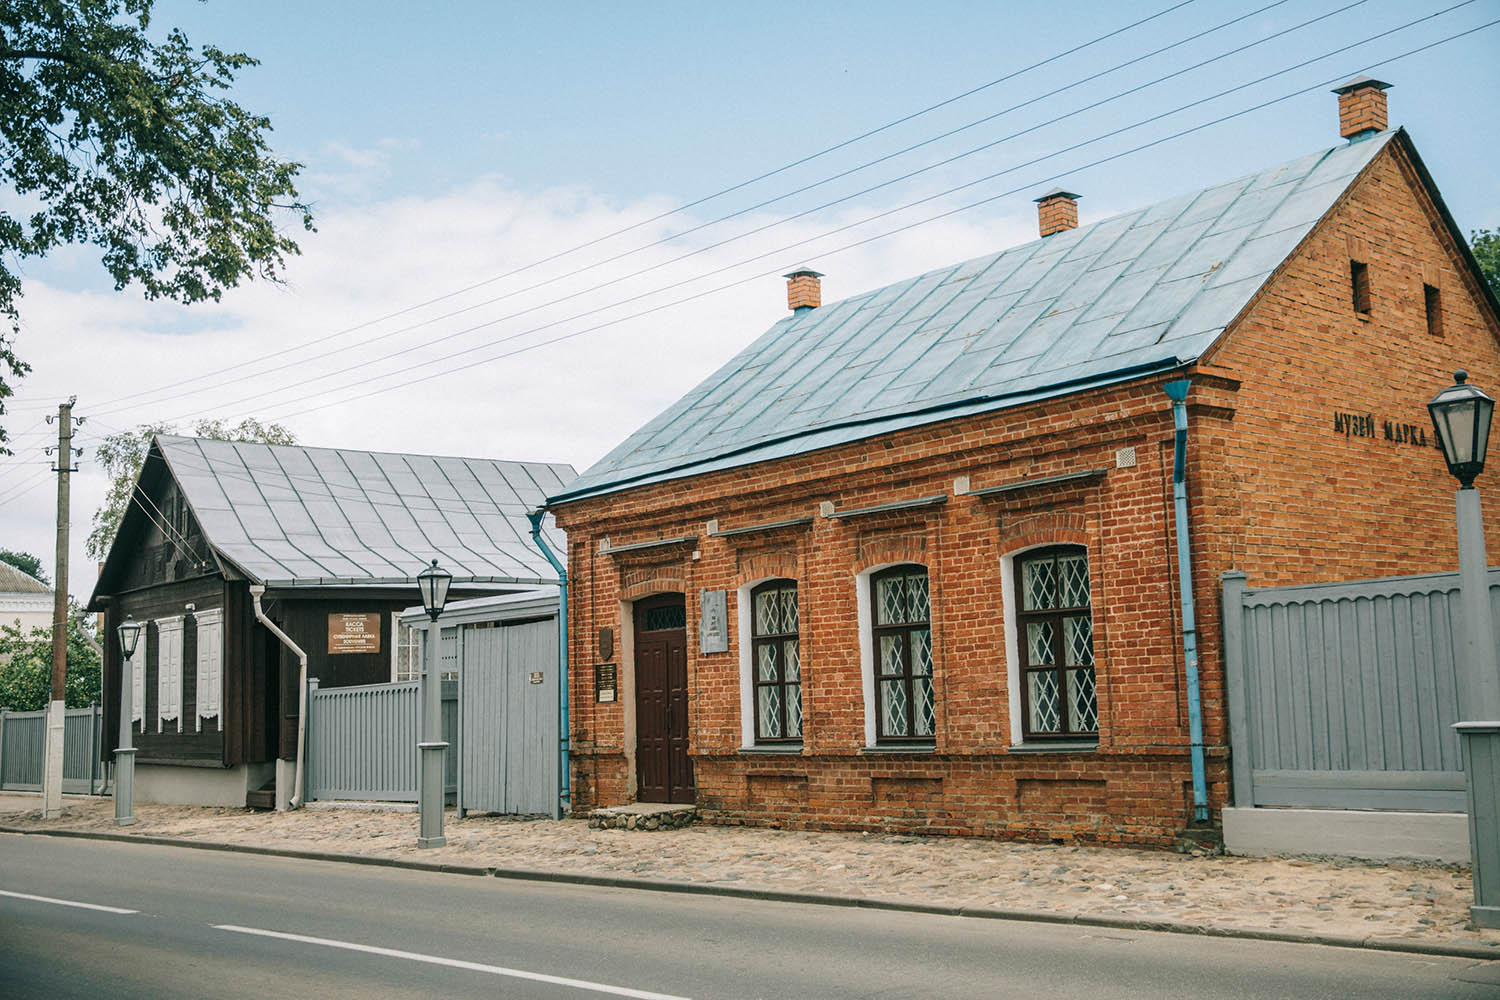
<point>803,270</point>
<point>1359,83</point>
<point>1057,193</point>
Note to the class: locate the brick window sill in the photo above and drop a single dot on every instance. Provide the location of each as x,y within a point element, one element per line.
<point>782,749</point>
<point>1070,746</point>
<point>909,749</point>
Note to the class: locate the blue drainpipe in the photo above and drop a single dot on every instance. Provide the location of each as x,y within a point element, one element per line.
<point>1178,391</point>
<point>564,781</point>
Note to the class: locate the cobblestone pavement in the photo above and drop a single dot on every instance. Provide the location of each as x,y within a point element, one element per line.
<point>1415,903</point>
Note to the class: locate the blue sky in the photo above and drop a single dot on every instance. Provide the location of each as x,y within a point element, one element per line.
<point>448,143</point>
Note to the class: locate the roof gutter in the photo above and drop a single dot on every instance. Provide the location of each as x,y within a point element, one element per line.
<point>1038,394</point>
<point>1178,391</point>
<point>564,779</point>
<point>256,590</point>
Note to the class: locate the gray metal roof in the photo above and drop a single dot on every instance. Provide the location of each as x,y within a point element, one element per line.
<point>293,517</point>
<point>1144,291</point>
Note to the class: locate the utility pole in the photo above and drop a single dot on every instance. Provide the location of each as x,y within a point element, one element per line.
<point>52,766</point>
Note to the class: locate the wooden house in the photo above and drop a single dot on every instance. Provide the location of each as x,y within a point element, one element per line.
<point>335,538</point>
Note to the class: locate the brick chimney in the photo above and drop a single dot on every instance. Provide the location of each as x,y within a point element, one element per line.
<point>803,290</point>
<point>1056,211</point>
<point>1362,107</point>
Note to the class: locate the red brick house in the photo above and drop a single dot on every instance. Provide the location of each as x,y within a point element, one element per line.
<point>908,561</point>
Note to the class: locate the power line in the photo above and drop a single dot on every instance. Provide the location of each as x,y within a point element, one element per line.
<point>798,244</point>
<point>871,239</point>
<point>687,205</point>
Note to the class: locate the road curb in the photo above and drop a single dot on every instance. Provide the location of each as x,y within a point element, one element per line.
<point>1444,949</point>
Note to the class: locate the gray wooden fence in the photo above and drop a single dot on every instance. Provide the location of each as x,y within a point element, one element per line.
<point>509,719</point>
<point>23,745</point>
<point>1343,695</point>
<point>362,741</point>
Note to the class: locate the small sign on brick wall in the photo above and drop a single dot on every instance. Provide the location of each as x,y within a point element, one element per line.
<point>604,682</point>
<point>713,624</point>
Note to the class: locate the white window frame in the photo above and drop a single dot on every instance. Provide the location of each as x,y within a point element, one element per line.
<point>209,686</point>
<point>866,622</point>
<point>416,648</point>
<point>169,634</point>
<point>745,630</point>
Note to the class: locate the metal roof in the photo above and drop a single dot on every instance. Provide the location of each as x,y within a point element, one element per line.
<point>1141,292</point>
<point>15,581</point>
<point>288,516</point>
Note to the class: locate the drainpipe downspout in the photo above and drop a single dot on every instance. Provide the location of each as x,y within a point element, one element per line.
<point>564,781</point>
<point>255,591</point>
<point>1178,391</point>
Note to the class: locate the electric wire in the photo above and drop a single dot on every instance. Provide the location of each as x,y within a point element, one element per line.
<point>409,328</point>
<point>871,239</point>
<point>843,144</point>
<point>782,250</point>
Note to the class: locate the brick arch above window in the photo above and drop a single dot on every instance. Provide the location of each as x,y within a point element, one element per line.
<point>644,581</point>
<point>759,566</point>
<point>878,551</point>
<point>1052,528</point>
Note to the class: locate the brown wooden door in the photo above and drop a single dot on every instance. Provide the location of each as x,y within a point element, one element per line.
<point>663,770</point>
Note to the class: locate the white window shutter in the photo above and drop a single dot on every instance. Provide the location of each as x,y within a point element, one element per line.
<point>169,672</point>
<point>138,682</point>
<point>210,686</point>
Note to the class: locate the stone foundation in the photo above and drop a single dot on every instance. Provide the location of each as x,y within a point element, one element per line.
<point>643,816</point>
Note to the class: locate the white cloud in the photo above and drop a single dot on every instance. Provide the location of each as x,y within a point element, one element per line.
<point>570,401</point>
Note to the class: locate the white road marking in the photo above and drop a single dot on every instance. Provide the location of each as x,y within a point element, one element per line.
<point>66,902</point>
<point>494,970</point>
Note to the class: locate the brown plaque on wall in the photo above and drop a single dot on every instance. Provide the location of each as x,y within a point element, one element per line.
<point>353,633</point>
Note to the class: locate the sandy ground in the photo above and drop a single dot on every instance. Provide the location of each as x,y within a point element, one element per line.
<point>1413,902</point>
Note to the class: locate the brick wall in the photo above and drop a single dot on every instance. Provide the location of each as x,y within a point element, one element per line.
<point>1275,491</point>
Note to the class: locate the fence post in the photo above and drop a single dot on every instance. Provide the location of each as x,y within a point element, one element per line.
<point>309,790</point>
<point>3,713</point>
<point>93,747</point>
<point>1232,617</point>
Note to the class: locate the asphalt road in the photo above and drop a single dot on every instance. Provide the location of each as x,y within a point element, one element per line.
<point>170,922</point>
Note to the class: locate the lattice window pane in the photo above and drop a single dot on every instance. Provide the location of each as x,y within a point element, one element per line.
<point>790,621</point>
<point>766,613</point>
<point>891,601</point>
<point>926,713</point>
<point>1074,570</point>
<point>921,652</point>
<point>893,702</point>
<point>890,654</point>
<point>1039,643</point>
<point>1042,698</point>
<point>766,655</point>
<point>917,588</point>
<point>659,619</point>
<point>1078,641</point>
<point>791,660</point>
<point>1040,585</point>
<point>1083,705</point>
<point>768,710</point>
<point>794,710</point>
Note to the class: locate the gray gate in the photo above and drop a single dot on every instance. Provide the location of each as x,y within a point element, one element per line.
<point>1343,695</point>
<point>508,726</point>
<point>362,741</point>
<point>23,745</point>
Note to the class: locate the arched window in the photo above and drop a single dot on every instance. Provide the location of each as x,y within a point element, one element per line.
<point>903,654</point>
<point>1056,629</point>
<point>776,662</point>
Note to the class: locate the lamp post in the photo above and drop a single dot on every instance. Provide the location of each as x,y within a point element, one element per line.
<point>130,637</point>
<point>1461,416</point>
<point>433,582</point>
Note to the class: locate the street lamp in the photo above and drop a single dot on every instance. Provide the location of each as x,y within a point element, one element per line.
<point>433,583</point>
<point>1461,417</point>
<point>130,637</point>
